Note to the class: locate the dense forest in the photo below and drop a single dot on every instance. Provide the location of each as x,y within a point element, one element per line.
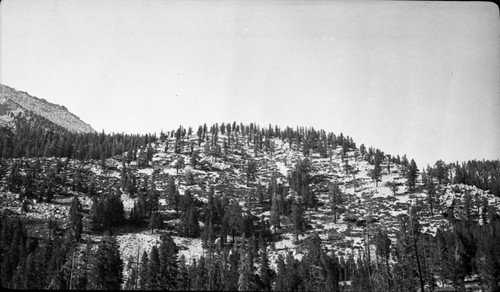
<point>40,163</point>
<point>35,136</point>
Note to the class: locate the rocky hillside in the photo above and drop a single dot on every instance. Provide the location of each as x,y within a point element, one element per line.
<point>257,175</point>
<point>15,103</point>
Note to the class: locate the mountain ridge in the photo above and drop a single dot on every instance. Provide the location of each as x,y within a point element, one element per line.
<point>14,103</point>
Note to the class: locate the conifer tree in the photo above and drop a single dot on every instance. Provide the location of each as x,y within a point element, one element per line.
<point>431,193</point>
<point>200,275</point>
<point>75,218</point>
<point>183,282</point>
<point>153,280</point>
<point>143,271</point>
<point>297,221</point>
<point>376,172</point>
<point>168,271</point>
<point>195,157</point>
<point>275,213</point>
<point>280,283</point>
<point>393,186</point>
<point>234,217</point>
<point>412,174</point>
<point>336,200</point>
<point>155,221</point>
<point>440,171</point>
<point>251,171</point>
<point>265,272</point>
<point>107,266</point>
<point>383,251</point>
<point>131,283</point>
<point>404,165</point>
<point>189,225</point>
<point>179,164</point>
<point>246,281</point>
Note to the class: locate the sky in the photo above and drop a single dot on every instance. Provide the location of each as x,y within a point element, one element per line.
<point>415,78</point>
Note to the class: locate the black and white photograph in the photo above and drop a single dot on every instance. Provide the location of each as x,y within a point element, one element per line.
<point>268,145</point>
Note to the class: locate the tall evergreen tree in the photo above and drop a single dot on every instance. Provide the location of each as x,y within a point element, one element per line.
<point>298,223</point>
<point>376,172</point>
<point>168,271</point>
<point>335,200</point>
<point>153,277</point>
<point>143,271</point>
<point>107,266</point>
<point>75,218</point>
<point>412,174</point>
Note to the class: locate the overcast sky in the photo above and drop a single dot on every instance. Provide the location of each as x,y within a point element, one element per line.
<point>415,78</point>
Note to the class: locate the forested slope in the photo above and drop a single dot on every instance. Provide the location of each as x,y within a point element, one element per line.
<point>239,207</point>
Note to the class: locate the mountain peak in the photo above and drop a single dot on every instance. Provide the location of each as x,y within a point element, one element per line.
<point>14,103</point>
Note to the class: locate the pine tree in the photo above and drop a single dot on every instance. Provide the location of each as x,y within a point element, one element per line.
<point>143,271</point>
<point>231,275</point>
<point>183,282</point>
<point>246,281</point>
<point>173,197</point>
<point>251,171</point>
<point>195,157</point>
<point>383,251</point>
<point>153,277</point>
<point>200,278</point>
<point>132,279</point>
<point>280,283</point>
<point>179,164</point>
<point>297,221</point>
<point>234,217</point>
<point>168,271</point>
<point>376,172</point>
<point>155,221</point>
<point>440,171</point>
<point>107,266</point>
<point>412,174</point>
<point>488,257</point>
<point>275,213</point>
<point>189,225</point>
<point>393,186</point>
<point>79,279</point>
<point>265,271</point>
<point>336,200</point>
<point>404,165</point>
<point>75,218</point>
